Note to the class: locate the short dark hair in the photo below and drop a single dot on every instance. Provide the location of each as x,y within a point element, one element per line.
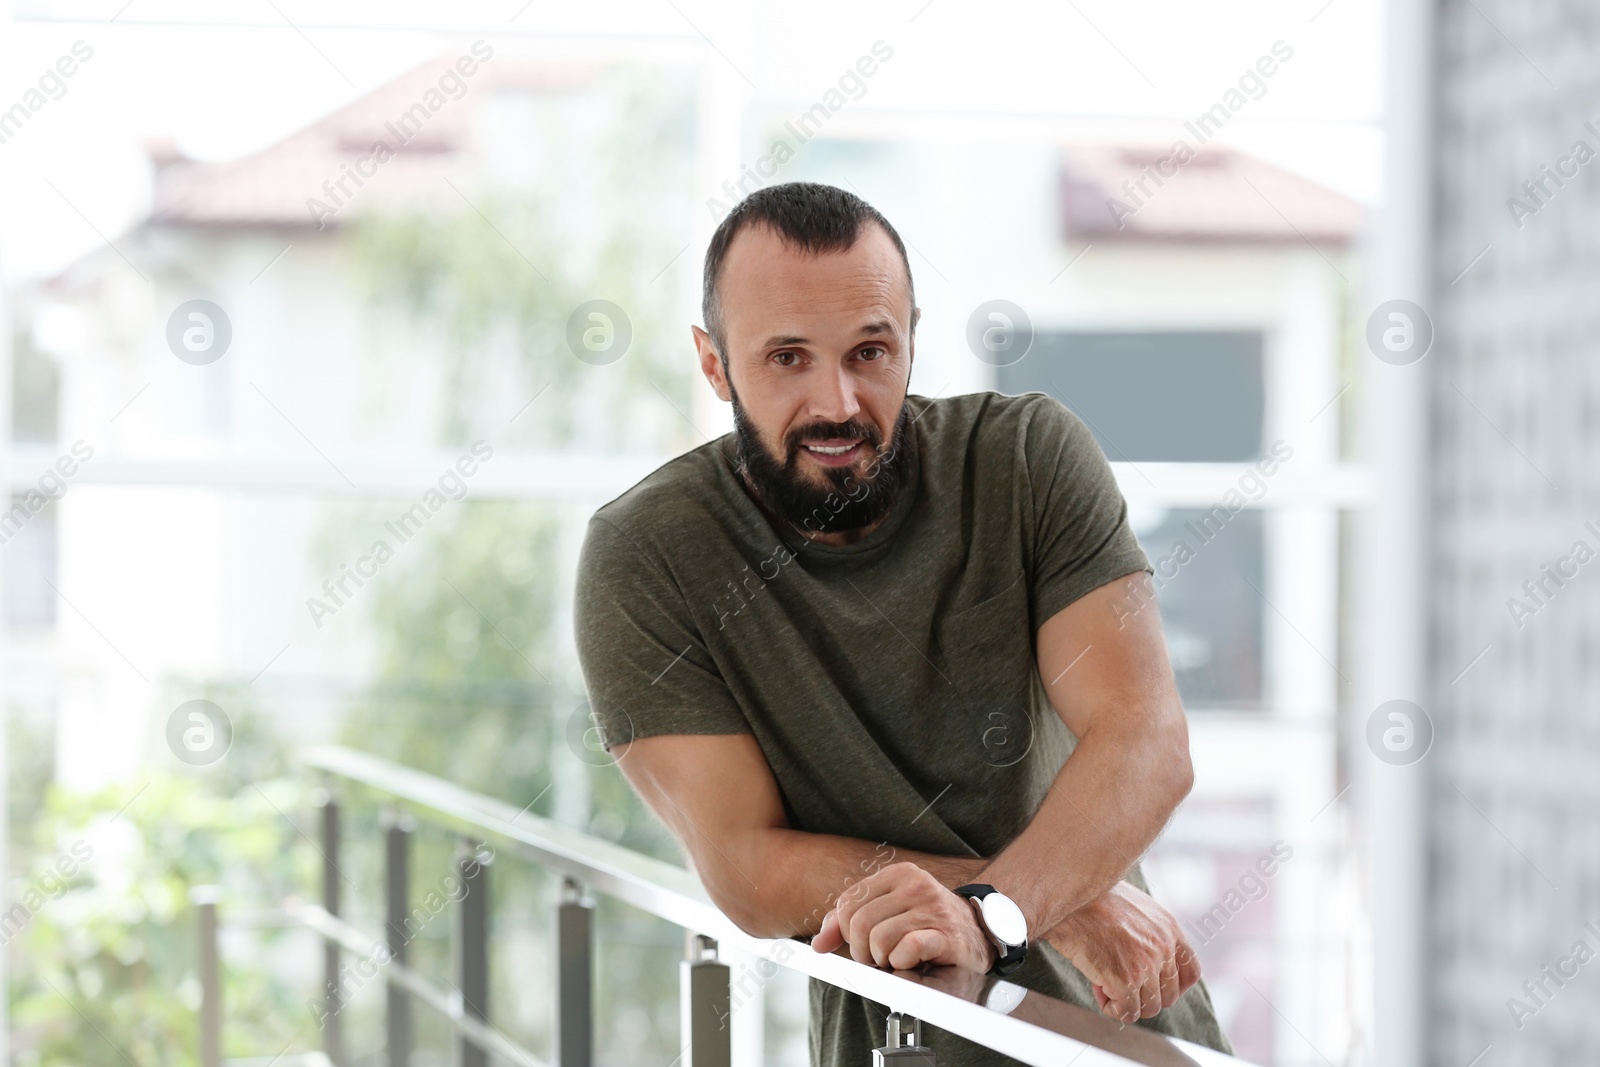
<point>808,215</point>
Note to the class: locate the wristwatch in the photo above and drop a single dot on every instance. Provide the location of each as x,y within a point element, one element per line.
<point>1003,921</point>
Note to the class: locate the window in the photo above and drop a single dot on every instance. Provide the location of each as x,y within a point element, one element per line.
<point>1154,397</point>
<point>1212,619</point>
<point>29,560</point>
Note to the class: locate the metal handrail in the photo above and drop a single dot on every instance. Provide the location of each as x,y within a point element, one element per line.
<point>1034,1028</point>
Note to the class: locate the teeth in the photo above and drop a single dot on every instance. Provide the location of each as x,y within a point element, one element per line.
<point>841,450</point>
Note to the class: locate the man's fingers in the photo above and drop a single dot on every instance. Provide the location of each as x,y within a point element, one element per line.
<point>915,946</point>
<point>1124,1008</point>
<point>1150,996</point>
<point>1170,991</point>
<point>1121,1000</point>
<point>1188,968</point>
<point>863,926</point>
<point>856,897</point>
<point>1112,944</point>
<point>895,939</point>
<point>828,937</point>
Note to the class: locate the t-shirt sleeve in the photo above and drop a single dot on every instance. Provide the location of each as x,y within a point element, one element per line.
<point>644,664</point>
<point>1082,539</point>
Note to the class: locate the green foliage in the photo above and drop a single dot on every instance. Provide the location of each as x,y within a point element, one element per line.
<point>464,680</point>
<point>471,682</point>
<point>471,679</point>
<point>104,940</point>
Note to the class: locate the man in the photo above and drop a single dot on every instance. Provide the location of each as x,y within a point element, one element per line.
<point>845,651</point>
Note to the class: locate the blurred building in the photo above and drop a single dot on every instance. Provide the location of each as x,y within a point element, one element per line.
<point>214,463</point>
<point>1194,311</point>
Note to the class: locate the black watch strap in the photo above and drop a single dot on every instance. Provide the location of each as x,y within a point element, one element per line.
<point>1010,957</point>
<point>1010,960</point>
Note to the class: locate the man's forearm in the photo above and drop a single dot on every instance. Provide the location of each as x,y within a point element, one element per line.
<point>784,881</point>
<point>1106,806</point>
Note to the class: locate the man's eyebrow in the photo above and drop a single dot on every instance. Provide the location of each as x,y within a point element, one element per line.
<point>871,329</point>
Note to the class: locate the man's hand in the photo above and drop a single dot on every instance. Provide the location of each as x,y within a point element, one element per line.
<point>1132,949</point>
<point>903,916</point>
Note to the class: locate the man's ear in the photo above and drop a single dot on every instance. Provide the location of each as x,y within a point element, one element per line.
<point>711,364</point>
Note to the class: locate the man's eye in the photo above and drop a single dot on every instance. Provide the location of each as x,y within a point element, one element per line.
<point>780,356</point>
<point>881,352</point>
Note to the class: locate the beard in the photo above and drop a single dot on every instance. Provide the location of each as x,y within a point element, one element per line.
<point>842,498</point>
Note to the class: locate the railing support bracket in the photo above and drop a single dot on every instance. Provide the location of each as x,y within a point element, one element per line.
<point>903,1043</point>
<point>574,1017</point>
<point>704,1004</point>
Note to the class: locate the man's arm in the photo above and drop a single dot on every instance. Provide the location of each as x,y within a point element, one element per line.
<point>1103,660</point>
<point>1104,664</point>
<point>718,796</point>
<point>699,769</point>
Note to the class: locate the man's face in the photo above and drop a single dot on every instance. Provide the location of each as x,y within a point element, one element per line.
<point>819,351</point>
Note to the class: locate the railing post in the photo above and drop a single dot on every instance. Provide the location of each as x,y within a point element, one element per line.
<point>704,1004</point>
<point>574,1037</point>
<point>397,904</point>
<point>474,947</point>
<point>903,1043</point>
<point>333,1024</point>
<point>204,898</point>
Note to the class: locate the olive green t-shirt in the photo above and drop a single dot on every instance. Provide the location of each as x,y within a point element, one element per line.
<point>891,683</point>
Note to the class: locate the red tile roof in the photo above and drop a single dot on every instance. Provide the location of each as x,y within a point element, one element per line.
<point>273,186</point>
<point>1217,195</point>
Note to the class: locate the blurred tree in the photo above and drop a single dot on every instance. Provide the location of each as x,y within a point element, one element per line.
<point>104,941</point>
<point>505,282</point>
<point>463,684</point>
<point>467,684</point>
<point>469,681</point>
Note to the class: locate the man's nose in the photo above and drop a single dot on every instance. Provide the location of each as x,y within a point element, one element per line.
<point>834,398</point>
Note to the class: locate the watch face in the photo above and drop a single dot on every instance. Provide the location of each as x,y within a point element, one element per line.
<point>1004,919</point>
